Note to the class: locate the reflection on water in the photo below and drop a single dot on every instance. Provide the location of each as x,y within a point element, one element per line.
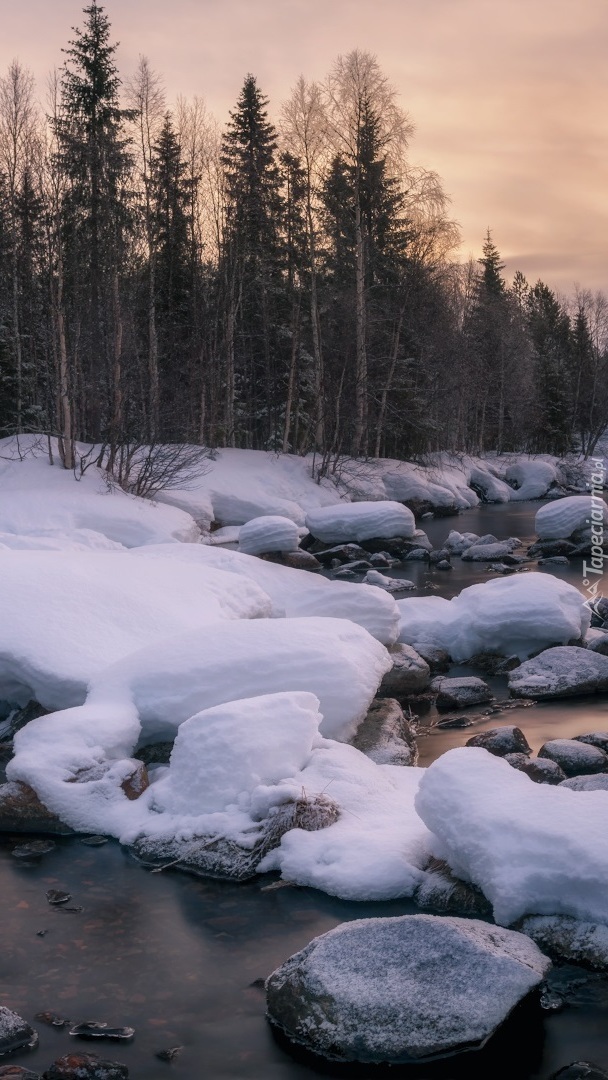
<point>180,958</point>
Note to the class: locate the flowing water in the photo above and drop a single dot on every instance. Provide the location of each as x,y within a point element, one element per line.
<point>180,959</point>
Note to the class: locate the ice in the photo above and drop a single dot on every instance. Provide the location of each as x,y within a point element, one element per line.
<point>531,848</point>
<point>560,519</point>
<point>517,614</point>
<point>270,533</point>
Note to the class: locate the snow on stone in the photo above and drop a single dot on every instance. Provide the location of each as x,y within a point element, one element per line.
<point>403,989</point>
<point>531,848</point>
<point>565,671</point>
<point>225,752</point>
<point>65,617</point>
<point>173,679</point>
<point>560,519</point>
<point>270,533</point>
<point>458,542</point>
<point>493,488</point>
<point>518,614</point>
<point>295,593</point>
<point>377,847</point>
<point>531,478</point>
<point>360,521</point>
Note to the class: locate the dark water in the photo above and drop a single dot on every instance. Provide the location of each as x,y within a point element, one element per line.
<point>177,958</point>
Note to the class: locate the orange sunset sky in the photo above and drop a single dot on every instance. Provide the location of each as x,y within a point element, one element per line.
<point>509,99</point>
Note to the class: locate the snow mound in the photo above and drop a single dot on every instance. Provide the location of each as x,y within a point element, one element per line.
<point>531,479</point>
<point>271,533</point>
<point>63,619</point>
<point>559,520</point>
<point>517,614</point>
<point>531,848</point>
<point>222,754</point>
<point>295,593</point>
<point>173,679</point>
<point>360,521</point>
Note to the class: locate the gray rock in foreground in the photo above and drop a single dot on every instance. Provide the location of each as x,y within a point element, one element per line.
<point>575,758</point>
<point>410,674</point>
<point>564,671</point>
<point>598,782</point>
<point>580,1070</point>
<point>385,736</point>
<point>501,741</point>
<point>460,693</point>
<point>78,1066</point>
<point>403,989</point>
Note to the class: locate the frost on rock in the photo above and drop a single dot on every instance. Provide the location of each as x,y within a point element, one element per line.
<point>564,938</point>
<point>270,533</point>
<point>566,671</point>
<point>530,848</point>
<point>403,989</point>
<point>15,1032</point>
<point>361,521</point>
<point>561,519</point>
<point>514,615</point>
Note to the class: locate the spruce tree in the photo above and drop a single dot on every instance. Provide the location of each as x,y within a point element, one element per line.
<point>549,329</point>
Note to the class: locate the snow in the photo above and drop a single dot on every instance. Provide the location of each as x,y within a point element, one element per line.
<point>63,618</point>
<point>295,593</point>
<point>561,672</point>
<point>559,520</point>
<point>532,479</point>
<point>531,848</point>
<point>360,521</point>
<point>225,752</point>
<point>270,533</point>
<point>518,614</point>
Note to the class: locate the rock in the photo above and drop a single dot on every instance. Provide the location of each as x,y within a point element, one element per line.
<point>486,552</point>
<point>541,770</point>
<point>594,738</point>
<point>493,663</point>
<point>502,741</point>
<point>95,1029</point>
<point>85,1067</point>
<point>403,989</point>
<point>580,1070</point>
<point>458,542</point>
<point>386,736</point>
<point>15,1032</point>
<point>448,722</point>
<point>444,564</point>
<point>221,857</point>
<point>597,782</point>
<point>417,555</point>
<point>575,758</point>
<point>22,811</point>
<point>438,555</point>
<point>460,693</point>
<point>17,1072</point>
<point>137,782</point>
<point>20,717</point>
<point>33,849</point>
<point>598,644</point>
<point>356,567</point>
<point>442,891</point>
<point>437,658</point>
<point>551,548</point>
<point>391,584</point>
<point>383,558</point>
<point>563,671</point>
<point>410,674</point>
<point>344,553</point>
<point>301,560</point>
<point>563,938</point>
<point>554,560</point>
<point>567,517</point>
<point>344,574</point>
<point>155,753</point>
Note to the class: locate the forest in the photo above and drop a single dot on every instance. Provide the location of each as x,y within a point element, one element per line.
<point>290,285</point>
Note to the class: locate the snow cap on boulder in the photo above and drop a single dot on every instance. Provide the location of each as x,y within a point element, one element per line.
<point>360,521</point>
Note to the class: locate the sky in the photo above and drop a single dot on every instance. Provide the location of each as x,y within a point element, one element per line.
<point>509,98</point>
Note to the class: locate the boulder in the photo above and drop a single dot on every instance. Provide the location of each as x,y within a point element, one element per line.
<point>487,552</point>
<point>575,758</point>
<point>564,671</point>
<point>436,657</point>
<point>460,693</point>
<point>17,1072</point>
<point>502,741</point>
<point>410,674</point>
<point>570,517</point>
<point>301,560</point>
<point>589,782</point>
<point>442,891</point>
<point>360,521</point>
<point>341,553</point>
<point>598,644</point>
<point>402,990</point>
<point>563,938</point>
<point>391,584</point>
<point>15,1032</point>
<point>224,858</point>
<point>548,549</point>
<point>594,738</point>
<point>554,560</point>
<point>85,1067</point>
<point>541,770</point>
<point>580,1070</point>
<point>22,811</point>
<point>417,554</point>
<point>269,533</point>
<point>386,736</point>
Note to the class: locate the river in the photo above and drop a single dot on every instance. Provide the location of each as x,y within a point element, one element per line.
<point>180,959</point>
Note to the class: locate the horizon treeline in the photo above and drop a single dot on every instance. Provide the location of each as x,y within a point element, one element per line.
<point>291,287</point>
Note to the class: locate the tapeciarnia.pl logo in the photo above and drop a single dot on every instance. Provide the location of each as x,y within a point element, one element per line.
<point>596,520</point>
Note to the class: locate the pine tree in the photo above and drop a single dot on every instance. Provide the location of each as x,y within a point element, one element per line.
<point>550,335</point>
<point>252,268</point>
<point>94,158</point>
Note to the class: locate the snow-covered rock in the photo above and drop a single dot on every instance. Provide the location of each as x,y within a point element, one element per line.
<point>514,615</point>
<point>64,619</point>
<point>385,736</point>
<point>460,693</point>
<point>590,782</point>
<point>360,521</point>
<point>575,758</point>
<point>295,593</point>
<point>531,848</point>
<point>391,584</point>
<point>270,533</point>
<point>566,671</point>
<point>487,552</point>
<point>561,519</point>
<point>572,940</point>
<point>502,741</point>
<point>458,542</point>
<point>402,989</point>
<point>15,1032</point>
<point>409,674</point>
<point>531,479</point>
